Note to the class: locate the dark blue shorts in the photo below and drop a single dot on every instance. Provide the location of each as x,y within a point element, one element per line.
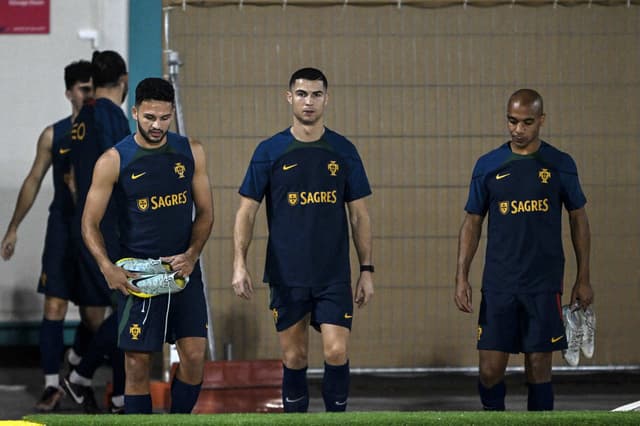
<point>331,304</point>
<point>517,323</point>
<point>141,322</point>
<point>58,277</point>
<point>92,289</point>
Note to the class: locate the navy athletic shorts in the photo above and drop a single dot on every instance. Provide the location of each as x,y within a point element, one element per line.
<point>58,277</point>
<point>331,304</point>
<point>141,321</point>
<point>92,289</point>
<point>517,323</point>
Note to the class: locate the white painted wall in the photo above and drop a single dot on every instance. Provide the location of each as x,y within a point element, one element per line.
<point>32,92</point>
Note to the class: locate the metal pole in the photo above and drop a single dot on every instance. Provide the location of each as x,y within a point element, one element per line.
<point>174,63</point>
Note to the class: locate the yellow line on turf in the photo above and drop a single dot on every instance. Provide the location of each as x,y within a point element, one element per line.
<point>19,423</point>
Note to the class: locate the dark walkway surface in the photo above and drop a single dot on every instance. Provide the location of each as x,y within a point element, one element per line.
<point>21,384</point>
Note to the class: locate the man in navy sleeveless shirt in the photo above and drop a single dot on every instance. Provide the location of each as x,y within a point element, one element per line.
<point>158,179</point>
<point>58,277</point>
<point>100,124</point>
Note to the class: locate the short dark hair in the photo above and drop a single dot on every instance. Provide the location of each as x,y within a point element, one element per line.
<point>78,71</point>
<point>154,88</point>
<point>108,66</point>
<point>311,74</point>
<point>527,97</point>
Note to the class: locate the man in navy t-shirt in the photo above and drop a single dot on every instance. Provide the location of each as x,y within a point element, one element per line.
<point>307,174</point>
<point>522,186</point>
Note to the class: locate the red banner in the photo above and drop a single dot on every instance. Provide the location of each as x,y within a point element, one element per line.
<point>24,16</point>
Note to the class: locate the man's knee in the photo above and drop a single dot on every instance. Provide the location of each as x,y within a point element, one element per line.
<point>137,367</point>
<point>295,357</point>
<point>491,374</point>
<point>192,353</point>
<point>55,308</point>
<point>92,316</point>
<point>539,367</point>
<point>335,353</point>
<point>192,365</point>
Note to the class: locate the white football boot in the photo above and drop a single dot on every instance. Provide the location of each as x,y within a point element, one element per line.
<point>144,266</point>
<point>588,332</point>
<point>574,331</point>
<point>154,284</point>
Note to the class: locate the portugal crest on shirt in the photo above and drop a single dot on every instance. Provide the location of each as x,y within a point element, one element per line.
<point>179,169</point>
<point>504,207</point>
<point>292,198</point>
<point>333,168</point>
<point>544,175</point>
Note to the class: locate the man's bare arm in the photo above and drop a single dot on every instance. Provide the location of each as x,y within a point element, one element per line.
<point>363,241</point>
<point>184,263</point>
<point>468,241</point>
<point>581,239</point>
<point>28,191</point>
<point>105,176</point>
<point>242,236</point>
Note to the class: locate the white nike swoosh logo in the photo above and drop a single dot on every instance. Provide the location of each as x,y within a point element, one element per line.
<point>341,403</point>
<point>295,400</point>
<point>79,399</point>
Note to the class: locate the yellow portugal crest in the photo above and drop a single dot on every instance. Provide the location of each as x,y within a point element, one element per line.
<point>275,315</point>
<point>504,207</point>
<point>333,168</point>
<point>479,332</point>
<point>293,198</point>
<point>143,204</point>
<point>544,175</point>
<point>135,331</point>
<point>179,168</point>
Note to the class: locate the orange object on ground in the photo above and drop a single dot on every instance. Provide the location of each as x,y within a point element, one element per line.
<point>240,387</point>
<point>227,387</point>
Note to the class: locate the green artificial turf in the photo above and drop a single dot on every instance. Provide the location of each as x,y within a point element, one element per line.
<point>350,418</point>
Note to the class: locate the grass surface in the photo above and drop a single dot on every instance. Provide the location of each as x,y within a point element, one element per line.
<point>351,418</point>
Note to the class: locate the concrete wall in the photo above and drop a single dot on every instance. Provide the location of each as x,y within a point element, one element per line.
<point>422,94</point>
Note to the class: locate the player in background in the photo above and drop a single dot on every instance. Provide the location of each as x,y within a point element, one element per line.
<point>522,186</point>
<point>58,278</point>
<point>308,175</point>
<point>100,124</point>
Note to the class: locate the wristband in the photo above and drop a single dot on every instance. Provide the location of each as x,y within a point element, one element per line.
<point>369,268</point>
